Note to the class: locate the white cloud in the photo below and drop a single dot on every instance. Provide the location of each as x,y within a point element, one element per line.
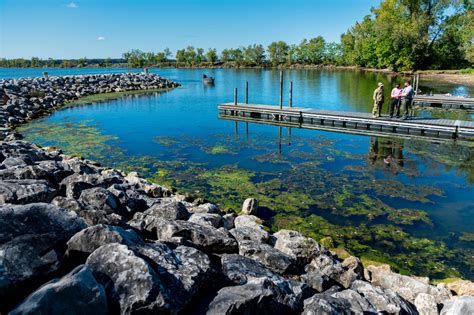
<point>101,38</point>
<point>72,5</point>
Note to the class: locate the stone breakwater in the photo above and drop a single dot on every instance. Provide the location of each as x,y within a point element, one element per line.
<point>27,98</point>
<point>76,237</point>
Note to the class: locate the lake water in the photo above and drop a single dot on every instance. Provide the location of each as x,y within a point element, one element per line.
<point>409,203</point>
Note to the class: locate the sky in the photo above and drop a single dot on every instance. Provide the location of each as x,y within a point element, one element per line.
<point>108,28</point>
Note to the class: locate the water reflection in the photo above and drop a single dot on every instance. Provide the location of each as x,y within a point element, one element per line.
<point>386,151</point>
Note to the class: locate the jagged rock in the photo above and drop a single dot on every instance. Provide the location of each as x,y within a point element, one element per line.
<point>425,304</point>
<point>461,287</point>
<point>246,233</point>
<point>228,221</point>
<point>405,286</point>
<point>170,210</point>
<point>258,296</point>
<point>74,184</point>
<point>301,248</point>
<point>204,237</point>
<point>203,208</point>
<point>317,280</point>
<point>212,219</point>
<point>76,293</point>
<point>461,305</point>
<point>24,191</point>
<point>83,243</point>
<point>150,278</point>
<point>267,255</point>
<point>247,221</point>
<point>32,252</point>
<point>326,305</point>
<point>152,190</point>
<point>383,300</point>
<point>250,206</point>
<point>99,198</point>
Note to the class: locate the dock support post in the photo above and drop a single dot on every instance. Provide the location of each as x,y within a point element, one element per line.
<point>291,95</point>
<point>235,96</point>
<point>246,92</point>
<point>281,89</point>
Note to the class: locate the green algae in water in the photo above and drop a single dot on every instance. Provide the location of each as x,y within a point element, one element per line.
<point>292,194</point>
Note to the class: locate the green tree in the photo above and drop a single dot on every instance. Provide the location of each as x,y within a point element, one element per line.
<point>311,51</point>
<point>35,62</point>
<point>254,55</point>
<point>200,55</point>
<point>211,55</point>
<point>278,52</point>
<point>180,56</point>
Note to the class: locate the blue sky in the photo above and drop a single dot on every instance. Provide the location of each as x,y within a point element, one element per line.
<point>107,28</point>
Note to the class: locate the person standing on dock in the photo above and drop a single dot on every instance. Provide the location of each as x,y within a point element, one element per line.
<point>407,99</point>
<point>378,100</point>
<point>396,98</point>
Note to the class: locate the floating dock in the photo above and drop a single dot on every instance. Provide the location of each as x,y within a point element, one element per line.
<point>349,122</point>
<point>444,101</point>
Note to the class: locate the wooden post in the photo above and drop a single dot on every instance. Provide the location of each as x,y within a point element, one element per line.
<point>236,128</point>
<point>289,136</point>
<point>279,140</point>
<point>246,92</point>
<point>281,89</point>
<point>247,130</point>
<point>235,96</point>
<point>291,95</point>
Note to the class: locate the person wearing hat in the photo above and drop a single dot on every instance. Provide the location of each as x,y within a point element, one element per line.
<point>378,100</point>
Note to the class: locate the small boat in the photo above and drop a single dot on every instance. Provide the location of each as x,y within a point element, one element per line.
<point>207,80</point>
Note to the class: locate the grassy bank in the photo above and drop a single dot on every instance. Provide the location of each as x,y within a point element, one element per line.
<point>103,97</point>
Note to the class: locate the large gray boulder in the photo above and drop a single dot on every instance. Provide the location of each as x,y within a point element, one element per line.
<point>204,237</point>
<point>407,287</point>
<point>385,301</point>
<point>459,306</point>
<point>32,243</point>
<point>170,210</point>
<point>302,249</point>
<point>22,191</point>
<point>212,219</point>
<point>250,206</point>
<point>258,296</point>
<point>267,255</point>
<point>151,278</point>
<point>83,243</point>
<point>76,293</point>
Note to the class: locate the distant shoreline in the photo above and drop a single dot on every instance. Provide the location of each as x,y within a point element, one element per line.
<point>447,76</point>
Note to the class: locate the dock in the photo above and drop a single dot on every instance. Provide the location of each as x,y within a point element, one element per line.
<point>444,101</point>
<point>348,122</point>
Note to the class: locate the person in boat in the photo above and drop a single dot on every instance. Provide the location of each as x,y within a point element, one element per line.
<point>407,99</point>
<point>204,76</point>
<point>396,96</point>
<point>378,98</point>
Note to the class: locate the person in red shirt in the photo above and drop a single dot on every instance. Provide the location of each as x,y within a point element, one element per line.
<point>396,95</point>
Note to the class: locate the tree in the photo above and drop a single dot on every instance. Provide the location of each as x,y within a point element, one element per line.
<point>278,52</point>
<point>180,56</point>
<point>254,55</point>
<point>167,53</point>
<point>211,55</point>
<point>226,55</point>
<point>190,55</point>
<point>82,62</point>
<point>35,62</point>
<point>200,55</point>
<point>311,51</point>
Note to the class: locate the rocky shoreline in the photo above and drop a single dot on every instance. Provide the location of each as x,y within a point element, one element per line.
<point>79,238</point>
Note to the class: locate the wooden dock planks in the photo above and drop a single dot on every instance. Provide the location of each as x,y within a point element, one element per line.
<point>304,117</point>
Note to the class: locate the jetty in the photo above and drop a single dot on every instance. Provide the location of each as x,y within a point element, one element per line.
<point>444,101</point>
<point>342,121</point>
<point>345,121</point>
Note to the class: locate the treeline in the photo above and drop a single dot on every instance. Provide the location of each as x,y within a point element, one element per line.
<point>36,62</point>
<point>399,35</point>
<point>308,52</point>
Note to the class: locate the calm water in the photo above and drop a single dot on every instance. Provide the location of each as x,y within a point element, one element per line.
<point>409,203</point>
